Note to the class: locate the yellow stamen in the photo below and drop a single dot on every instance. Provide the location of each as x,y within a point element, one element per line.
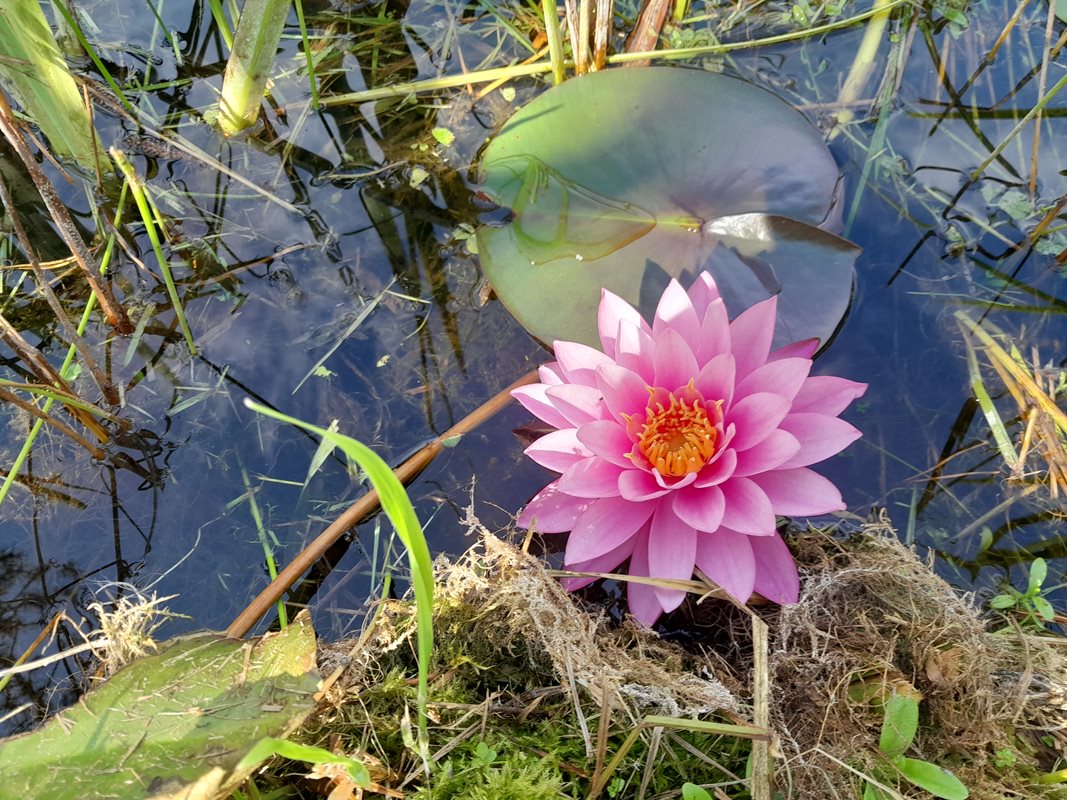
<point>678,438</point>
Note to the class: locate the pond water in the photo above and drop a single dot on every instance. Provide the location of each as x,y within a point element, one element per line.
<point>326,272</point>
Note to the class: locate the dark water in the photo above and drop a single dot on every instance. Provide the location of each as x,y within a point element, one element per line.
<point>271,292</point>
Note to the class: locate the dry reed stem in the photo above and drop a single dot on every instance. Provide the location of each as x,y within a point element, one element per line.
<point>115,313</point>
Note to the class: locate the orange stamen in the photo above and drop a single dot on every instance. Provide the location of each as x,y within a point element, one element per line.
<point>678,438</point>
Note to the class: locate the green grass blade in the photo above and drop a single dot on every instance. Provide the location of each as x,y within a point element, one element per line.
<point>309,58</point>
<point>398,508</point>
<point>149,219</point>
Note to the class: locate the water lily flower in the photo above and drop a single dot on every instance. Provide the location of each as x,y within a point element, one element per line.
<point>680,443</point>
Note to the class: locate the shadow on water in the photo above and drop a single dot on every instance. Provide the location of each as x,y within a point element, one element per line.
<point>325,272</point>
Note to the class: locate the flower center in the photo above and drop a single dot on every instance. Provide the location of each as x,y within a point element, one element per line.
<point>679,437</point>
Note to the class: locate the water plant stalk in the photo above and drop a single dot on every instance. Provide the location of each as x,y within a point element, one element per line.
<point>259,30</point>
<point>115,313</point>
<point>33,68</point>
<point>555,41</point>
<point>863,63</point>
<point>541,67</point>
<point>64,369</point>
<point>149,219</point>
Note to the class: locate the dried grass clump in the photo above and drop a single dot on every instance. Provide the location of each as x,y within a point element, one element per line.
<point>873,613</point>
<point>498,604</point>
<point>518,660</point>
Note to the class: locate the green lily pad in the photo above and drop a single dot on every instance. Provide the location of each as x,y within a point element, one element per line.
<point>172,725</point>
<point>626,178</point>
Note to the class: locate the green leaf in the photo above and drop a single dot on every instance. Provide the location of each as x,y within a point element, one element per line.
<point>1044,608</point>
<point>899,725</point>
<point>33,69</point>
<point>872,792</point>
<point>1038,573</point>
<point>302,752</point>
<point>1002,601</point>
<point>937,781</point>
<point>625,178</point>
<point>417,177</point>
<point>397,507</point>
<point>690,791</point>
<point>176,724</point>
<point>444,136</point>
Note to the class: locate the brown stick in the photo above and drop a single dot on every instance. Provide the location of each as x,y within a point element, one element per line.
<point>115,313</point>
<point>365,505</point>
<point>647,29</point>
<point>50,297</point>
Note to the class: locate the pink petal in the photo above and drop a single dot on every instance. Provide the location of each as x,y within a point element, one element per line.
<point>715,381</point>
<point>820,437</point>
<point>675,363</point>
<point>748,508</point>
<point>613,310</point>
<point>799,492</point>
<point>623,390</point>
<point>699,508</point>
<point>578,362</point>
<point>552,511</point>
<point>771,453</point>
<point>642,599</point>
<point>673,483</point>
<point>634,350</point>
<point>592,477</point>
<point>604,563</point>
<point>608,439</point>
<point>714,333</point>
<point>720,469</point>
<point>535,400</point>
<point>725,556</point>
<point>604,526</point>
<point>751,334</point>
<point>825,394</point>
<point>805,348</point>
<point>578,404</point>
<point>783,377</point>
<point>672,550</point>
<point>776,571</point>
<point>558,450</point>
<point>551,374</point>
<point>638,485</point>
<point>703,292</point>
<point>675,311</point>
<point>755,417</point>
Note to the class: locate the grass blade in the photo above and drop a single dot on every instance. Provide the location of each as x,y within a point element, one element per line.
<point>398,508</point>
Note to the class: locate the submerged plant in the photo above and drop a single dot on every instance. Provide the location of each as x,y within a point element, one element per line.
<point>680,442</point>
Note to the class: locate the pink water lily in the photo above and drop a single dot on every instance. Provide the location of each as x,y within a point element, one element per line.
<point>681,442</point>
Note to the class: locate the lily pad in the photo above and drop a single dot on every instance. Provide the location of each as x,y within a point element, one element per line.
<point>173,725</point>
<point>626,178</point>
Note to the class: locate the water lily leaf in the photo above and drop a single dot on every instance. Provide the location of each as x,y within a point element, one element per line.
<point>172,725</point>
<point>626,178</point>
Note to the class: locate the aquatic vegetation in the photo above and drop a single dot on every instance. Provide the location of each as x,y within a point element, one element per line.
<point>259,30</point>
<point>680,442</point>
<point>194,693</point>
<point>692,172</point>
<point>33,69</point>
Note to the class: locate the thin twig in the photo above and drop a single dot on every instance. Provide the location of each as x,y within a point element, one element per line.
<point>367,504</point>
<point>115,313</point>
<point>60,313</point>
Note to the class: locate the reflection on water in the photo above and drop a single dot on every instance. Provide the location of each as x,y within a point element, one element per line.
<point>273,296</point>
